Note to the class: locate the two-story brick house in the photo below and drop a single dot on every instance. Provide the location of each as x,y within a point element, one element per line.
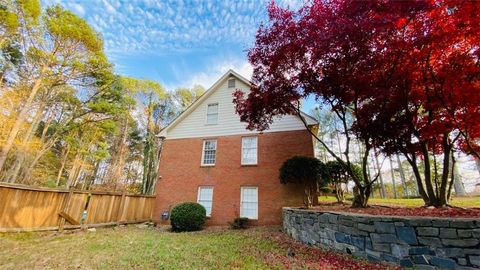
<point>211,158</point>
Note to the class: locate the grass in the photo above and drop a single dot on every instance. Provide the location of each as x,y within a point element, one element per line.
<point>150,248</point>
<point>473,201</point>
<point>133,248</point>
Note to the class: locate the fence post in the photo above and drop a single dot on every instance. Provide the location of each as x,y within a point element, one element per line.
<point>121,208</point>
<point>65,205</point>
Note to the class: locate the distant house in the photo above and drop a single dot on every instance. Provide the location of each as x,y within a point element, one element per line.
<point>211,158</point>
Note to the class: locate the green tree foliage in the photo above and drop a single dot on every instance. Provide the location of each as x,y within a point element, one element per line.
<point>305,171</point>
<point>186,96</point>
<point>67,119</point>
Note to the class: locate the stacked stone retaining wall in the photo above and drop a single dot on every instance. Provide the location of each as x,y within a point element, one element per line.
<point>416,242</point>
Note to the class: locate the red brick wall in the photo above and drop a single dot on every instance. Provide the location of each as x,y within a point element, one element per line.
<point>181,175</point>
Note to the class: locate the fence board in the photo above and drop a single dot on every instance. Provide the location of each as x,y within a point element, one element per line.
<point>24,208</point>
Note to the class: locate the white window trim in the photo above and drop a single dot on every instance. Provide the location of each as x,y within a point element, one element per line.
<point>241,202</point>
<point>203,153</point>
<point>198,197</point>
<point>256,154</point>
<point>206,114</point>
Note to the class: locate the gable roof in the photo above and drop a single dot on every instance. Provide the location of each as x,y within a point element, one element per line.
<point>230,73</point>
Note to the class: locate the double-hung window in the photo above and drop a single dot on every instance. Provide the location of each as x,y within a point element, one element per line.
<point>249,150</point>
<point>249,202</point>
<point>205,198</point>
<point>212,114</point>
<point>209,152</point>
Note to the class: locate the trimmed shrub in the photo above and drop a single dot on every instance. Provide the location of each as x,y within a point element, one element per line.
<point>239,223</point>
<point>188,216</point>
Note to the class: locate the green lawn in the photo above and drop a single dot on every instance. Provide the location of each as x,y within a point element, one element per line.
<point>473,201</point>
<point>150,248</point>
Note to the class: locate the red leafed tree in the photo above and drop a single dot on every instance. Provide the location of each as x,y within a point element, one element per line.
<point>405,72</point>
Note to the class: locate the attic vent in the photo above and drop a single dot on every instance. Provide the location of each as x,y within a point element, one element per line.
<point>231,83</point>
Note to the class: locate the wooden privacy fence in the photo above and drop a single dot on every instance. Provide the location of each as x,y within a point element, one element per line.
<point>24,208</point>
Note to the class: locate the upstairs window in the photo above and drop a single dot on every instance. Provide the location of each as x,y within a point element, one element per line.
<point>249,150</point>
<point>209,152</point>
<point>231,83</point>
<point>205,198</point>
<point>212,114</point>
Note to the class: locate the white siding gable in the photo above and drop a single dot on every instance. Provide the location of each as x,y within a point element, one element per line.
<point>194,124</point>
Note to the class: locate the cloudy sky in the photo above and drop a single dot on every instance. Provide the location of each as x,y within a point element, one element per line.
<point>176,42</point>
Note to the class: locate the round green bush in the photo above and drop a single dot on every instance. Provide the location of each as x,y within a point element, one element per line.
<point>188,216</point>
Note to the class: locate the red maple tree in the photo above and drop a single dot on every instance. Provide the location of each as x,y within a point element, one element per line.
<point>406,72</point>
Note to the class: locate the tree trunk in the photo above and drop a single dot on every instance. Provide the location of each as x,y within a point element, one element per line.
<point>26,106</point>
<point>115,172</point>
<point>402,177</point>
<point>64,161</point>
<point>21,155</point>
<point>457,183</point>
<point>72,175</point>
<point>380,177</point>
<point>393,178</point>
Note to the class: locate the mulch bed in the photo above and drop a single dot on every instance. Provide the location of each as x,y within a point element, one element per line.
<point>301,256</point>
<point>404,211</point>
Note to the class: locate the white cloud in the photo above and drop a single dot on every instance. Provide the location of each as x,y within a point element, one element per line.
<point>159,26</point>
<point>208,77</point>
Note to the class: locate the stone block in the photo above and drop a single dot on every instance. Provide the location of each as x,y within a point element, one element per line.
<point>462,261</point>
<point>308,221</point>
<point>470,242</point>
<point>348,230</point>
<point>360,219</point>
<point>427,231</point>
<point>399,251</point>
<point>373,253</point>
<point>323,218</point>
<point>448,233</point>
<point>407,235</point>
<point>420,222</point>
<point>420,251</point>
<point>332,218</point>
<point>358,242</point>
<point>463,224</point>
<point>420,259</point>
<point>388,258</point>
<point>365,227</point>
<point>368,243</point>
<point>342,238</point>
<point>346,220</point>
<point>474,260</point>
<point>406,263</point>
<point>384,227</point>
<point>470,251</point>
<point>383,238</point>
<point>381,247</point>
<point>430,241</point>
<point>440,223</point>
<point>442,262</point>
<point>465,233</point>
<point>450,252</point>
<point>399,224</point>
<point>424,267</point>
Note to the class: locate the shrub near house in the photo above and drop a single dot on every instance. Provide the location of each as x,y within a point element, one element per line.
<point>188,216</point>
